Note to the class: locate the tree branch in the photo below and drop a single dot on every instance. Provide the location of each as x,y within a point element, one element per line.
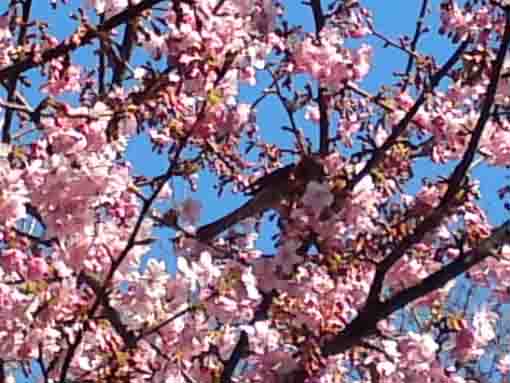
<point>125,51</point>
<point>378,154</point>
<point>68,45</point>
<point>13,81</point>
<point>414,42</point>
<point>462,168</point>
<point>365,323</point>
<point>455,180</point>
<point>239,350</point>
<point>320,21</point>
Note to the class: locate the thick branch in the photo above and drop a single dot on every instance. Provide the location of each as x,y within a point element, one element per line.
<point>125,51</point>
<point>451,271</point>
<point>101,72</point>
<point>323,123</point>
<point>454,184</point>
<point>320,21</point>
<point>257,205</point>
<point>462,168</point>
<point>239,350</point>
<point>318,16</point>
<point>366,321</point>
<point>286,182</point>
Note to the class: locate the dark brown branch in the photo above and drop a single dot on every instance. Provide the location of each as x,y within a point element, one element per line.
<point>110,313</point>
<point>455,181</point>
<point>451,271</point>
<point>318,16</point>
<point>13,81</point>
<point>290,108</point>
<point>378,155</point>
<point>262,311</point>
<point>320,21</point>
<point>365,324</point>
<point>177,315</point>
<point>102,63</point>
<point>70,354</point>
<point>389,42</point>
<point>144,213</point>
<point>239,350</point>
<point>42,366</point>
<point>323,123</point>
<point>39,240</point>
<point>462,168</point>
<point>271,189</point>
<point>116,263</point>
<point>432,221</point>
<point>218,6</point>
<point>270,196</point>
<point>125,51</point>
<point>67,46</point>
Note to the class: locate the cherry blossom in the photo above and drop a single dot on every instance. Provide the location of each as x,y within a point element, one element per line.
<point>383,261</point>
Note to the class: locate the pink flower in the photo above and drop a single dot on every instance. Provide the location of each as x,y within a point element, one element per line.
<point>190,210</point>
<point>13,260</point>
<point>13,195</point>
<point>317,196</point>
<point>330,61</point>
<point>483,323</point>
<point>37,268</point>
<point>419,347</point>
<point>287,256</point>
<point>6,41</point>
<point>166,192</point>
<point>110,7</point>
<point>312,113</point>
<point>63,78</point>
<point>465,347</point>
<point>504,364</point>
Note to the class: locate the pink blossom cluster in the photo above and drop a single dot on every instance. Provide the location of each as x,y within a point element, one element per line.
<point>6,42</point>
<point>215,53</point>
<point>329,61</point>
<point>464,22</point>
<point>63,78</point>
<point>14,195</point>
<point>82,296</point>
<point>109,7</point>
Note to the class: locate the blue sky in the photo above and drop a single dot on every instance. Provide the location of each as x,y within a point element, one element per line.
<point>392,18</point>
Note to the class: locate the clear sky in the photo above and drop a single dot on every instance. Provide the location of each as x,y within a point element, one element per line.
<point>392,18</point>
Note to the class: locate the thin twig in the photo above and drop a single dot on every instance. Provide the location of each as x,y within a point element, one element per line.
<point>414,42</point>
<point>69,45</point>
